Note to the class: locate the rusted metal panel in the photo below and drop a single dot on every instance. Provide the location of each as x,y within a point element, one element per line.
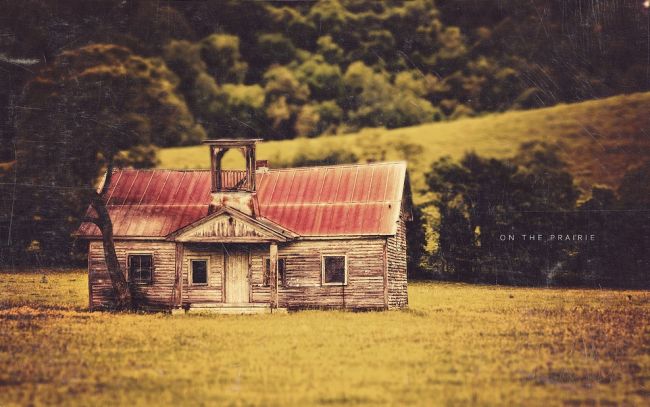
<point>380,179</point>
<point>329,201</point>
<point>123,181</point>
<point>344,200</point>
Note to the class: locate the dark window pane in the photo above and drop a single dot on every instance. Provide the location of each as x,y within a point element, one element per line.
<point>145,262</point>
<point>145,274</point>
<point>334,269</point>
<point>267,272</point>
<point>282,274</point>
<point>140,268</point>
<point>199,272</point>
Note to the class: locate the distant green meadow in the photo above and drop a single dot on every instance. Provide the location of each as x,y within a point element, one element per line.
<point>456,344</point>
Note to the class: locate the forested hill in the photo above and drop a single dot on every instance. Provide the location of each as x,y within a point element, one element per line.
<point>600,140</point>
<point>304,68</point>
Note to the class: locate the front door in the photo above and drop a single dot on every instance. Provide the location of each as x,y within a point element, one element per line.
<point>237,286</point>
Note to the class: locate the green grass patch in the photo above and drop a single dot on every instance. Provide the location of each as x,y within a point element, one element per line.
<point>600,139</point>
<point>44,288</point>
<point>457,344</point>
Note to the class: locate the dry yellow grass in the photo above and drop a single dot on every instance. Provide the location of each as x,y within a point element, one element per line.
<point>600,139</point>
<point>458,344</point>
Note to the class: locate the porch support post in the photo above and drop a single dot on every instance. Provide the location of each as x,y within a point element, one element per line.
<point>178,283</point>
<point>273,274</point>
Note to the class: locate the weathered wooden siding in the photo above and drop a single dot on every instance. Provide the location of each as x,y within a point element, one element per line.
<point>224,228</point>
<point>213,293</point>
<point>202,293</point>
<point>259,293</point>
<point>396,260</point>
<point>304,289</point>
<point>159,294</point>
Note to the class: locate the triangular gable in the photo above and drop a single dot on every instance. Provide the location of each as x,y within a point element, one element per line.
<point>405,202</point>
<point>231,226</point>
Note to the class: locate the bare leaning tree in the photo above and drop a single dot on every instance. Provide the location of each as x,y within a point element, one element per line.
<point>92,109</point>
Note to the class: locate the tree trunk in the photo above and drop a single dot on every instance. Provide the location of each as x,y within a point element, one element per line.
<point>123,298</point>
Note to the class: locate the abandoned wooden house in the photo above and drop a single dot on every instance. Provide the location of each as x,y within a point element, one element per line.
<point>256,239</point>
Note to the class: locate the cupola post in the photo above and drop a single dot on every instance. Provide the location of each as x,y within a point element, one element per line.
<point>233,188</point>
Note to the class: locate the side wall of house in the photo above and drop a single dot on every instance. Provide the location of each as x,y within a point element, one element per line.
<point>396,259</point>
<point>365,287</point>
<point>304,288</point>
<point>159,294</point>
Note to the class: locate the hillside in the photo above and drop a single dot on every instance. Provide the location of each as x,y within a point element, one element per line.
<point>600,139</point>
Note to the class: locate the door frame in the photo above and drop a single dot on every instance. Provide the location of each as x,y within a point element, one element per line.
<point>245,249</point>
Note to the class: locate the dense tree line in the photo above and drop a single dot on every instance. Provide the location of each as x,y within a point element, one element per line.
<point>303,68</point>
<point>517,221</point>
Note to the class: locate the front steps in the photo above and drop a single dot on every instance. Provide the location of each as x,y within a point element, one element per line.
<point>229,308</point>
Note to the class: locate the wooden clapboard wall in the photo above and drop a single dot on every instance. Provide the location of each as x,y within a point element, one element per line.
<point>158,294</point>
<point>376,270</point>
<point>304,288</point>
<point>212,292</point>
<point>396,262</point>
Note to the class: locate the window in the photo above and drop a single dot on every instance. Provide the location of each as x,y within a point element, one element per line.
<point>140,268</point>
<point>334,270</point>
<point>282,274</point>
<point>199,272</point>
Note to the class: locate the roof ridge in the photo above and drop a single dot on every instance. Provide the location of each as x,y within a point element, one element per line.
<point>372,164</point>
<point>162,169</point>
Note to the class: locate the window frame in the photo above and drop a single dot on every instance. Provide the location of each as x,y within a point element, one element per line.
<point>280,283</point>
<point>345,269</point>
<point>129,278</point>
<point>190,279</point>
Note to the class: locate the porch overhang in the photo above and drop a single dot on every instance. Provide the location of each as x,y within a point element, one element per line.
<point>229,225</point>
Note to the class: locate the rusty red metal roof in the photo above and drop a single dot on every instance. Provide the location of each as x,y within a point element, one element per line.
<point>341,200</point>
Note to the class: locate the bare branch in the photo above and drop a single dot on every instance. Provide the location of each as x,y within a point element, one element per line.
<point>107,180</point>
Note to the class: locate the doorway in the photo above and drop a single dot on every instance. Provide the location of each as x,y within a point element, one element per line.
<point>237,286</point>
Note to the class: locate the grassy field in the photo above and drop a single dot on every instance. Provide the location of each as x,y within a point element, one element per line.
<point>457,344</point>
<point>600,139</point>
